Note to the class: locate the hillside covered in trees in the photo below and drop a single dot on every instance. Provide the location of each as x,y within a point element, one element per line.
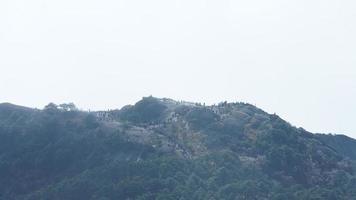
<point>164,149</point>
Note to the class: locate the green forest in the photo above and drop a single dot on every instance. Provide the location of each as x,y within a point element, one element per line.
<point>168,150</point>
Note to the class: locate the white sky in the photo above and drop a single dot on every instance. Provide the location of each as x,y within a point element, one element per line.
<point>296,58</point>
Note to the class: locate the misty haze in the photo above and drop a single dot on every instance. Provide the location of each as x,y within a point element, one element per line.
<point>180,99</point>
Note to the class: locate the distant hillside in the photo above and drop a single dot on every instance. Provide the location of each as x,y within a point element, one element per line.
<point>164,149</point>
<point>341,143</point>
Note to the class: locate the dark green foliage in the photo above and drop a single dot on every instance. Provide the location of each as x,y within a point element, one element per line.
<point>201,117</point>
<point>61,153</point>
<point>341,143</point>
<point>149,109</point>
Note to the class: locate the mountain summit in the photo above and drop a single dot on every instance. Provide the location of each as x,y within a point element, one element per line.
<point>165,149</point>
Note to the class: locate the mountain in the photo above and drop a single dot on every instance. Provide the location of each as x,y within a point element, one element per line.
<point>165,149</point>
<point>340,143</point>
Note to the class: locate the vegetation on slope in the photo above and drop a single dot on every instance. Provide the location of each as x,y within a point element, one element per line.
<point>162,149</point>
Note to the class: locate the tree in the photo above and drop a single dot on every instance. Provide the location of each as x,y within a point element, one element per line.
<point>68,107</point>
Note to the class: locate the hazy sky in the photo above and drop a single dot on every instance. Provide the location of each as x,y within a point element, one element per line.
<point>296,58</point>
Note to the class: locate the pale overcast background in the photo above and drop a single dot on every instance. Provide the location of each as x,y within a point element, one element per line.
<point>296,58</point>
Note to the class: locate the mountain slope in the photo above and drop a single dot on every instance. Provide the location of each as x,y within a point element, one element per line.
<point>341,143</point>
<point>163,149</point>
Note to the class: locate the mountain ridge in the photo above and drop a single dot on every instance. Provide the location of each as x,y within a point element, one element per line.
<point>188,150</point>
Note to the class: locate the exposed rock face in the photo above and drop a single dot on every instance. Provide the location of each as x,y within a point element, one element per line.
<point>191,131</point>
<point>186,150</point>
